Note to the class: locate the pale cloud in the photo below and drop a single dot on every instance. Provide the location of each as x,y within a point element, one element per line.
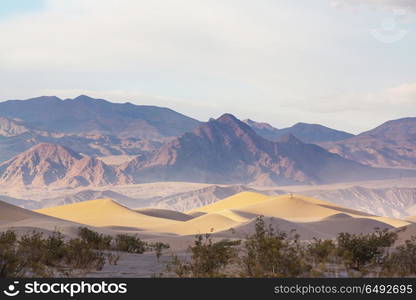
<point>277,61</point>
<point>395,4</point>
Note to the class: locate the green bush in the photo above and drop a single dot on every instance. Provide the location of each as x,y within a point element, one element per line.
<point>402,261</point>
<point>361,252</point>
<point>94,239</point>
<point>80,255</point>
<point>208,258</point>
<point>10,263</point>
<point>270,253</point>
<point>158,247</point>
<point>130,244</point>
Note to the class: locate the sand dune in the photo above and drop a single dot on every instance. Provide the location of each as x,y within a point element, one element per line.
<point>406,233</point>
<point>165,214</point>
<point>22,220</point>
<point>297,208</point>
<point>11,213</point>
<point>336,224</point>
<point>104,213</point>
<point>204,224</point>
<point>233,202</point>
<point>411,219</point>
<point>308,216</point>
<point>242,230</point>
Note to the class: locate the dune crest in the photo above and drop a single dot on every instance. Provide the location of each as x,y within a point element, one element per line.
<point>104,213</point>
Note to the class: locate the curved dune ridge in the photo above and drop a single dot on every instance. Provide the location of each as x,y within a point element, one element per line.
<point>11,213</point>
<point>22,220</point>
<point>104,213</point>
<point>235,201</point>
<point>298,208</point>
<point>164,213</point>
<point>209,223</point>
<point>310,217</point>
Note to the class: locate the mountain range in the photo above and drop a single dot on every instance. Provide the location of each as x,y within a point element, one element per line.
<point>308,133</point>
<point>227,150</point>
<point>47,141</point>
<point>84,114</point>
<point>391,145</point>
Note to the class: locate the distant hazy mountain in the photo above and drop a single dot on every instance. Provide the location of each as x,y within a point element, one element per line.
<point>89,144</point>
<point>392,144</point>
<point>227,150</point>
<point>48,164</point>
<point>17,136</point>
<point>396,202</point>
<point>87,115</point>
<point>308,133</point>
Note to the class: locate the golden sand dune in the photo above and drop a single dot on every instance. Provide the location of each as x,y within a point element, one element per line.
<point>236,216</point>
<point>11,213</point>
<point>308,216</point>
<point>233,202</point>
<point>104,213</point>
<point>22,220</point>
<point>301,209</point>
<point>336,224</point>
<point>286,226</point>
<point>164,213</point>
<point>411,219</point>
<point>200,225</point>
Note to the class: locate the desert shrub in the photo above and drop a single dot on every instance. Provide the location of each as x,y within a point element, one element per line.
<point>10,263</point>
<point>158,248</point>
<point>94,239</point>
<point>362,252</point>
<point>271,253</point>
<point>79,254</point>
<point>321,256</point>
<point>129,243</point>
<point>208,258</point>
<point>402,261</point>
<point>33,253</point>
<point>320,251</point>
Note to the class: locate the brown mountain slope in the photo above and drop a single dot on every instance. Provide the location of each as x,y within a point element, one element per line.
<point>48,164</point>
<point>392,144</point>
<point>227,150</point>
<point>15,138</point>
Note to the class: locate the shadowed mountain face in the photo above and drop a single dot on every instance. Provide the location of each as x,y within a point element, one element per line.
<point>47,164</point>
<point>92,145</point>
<point>392,144</point>
<point>227,150</point>
<point>87,115</point>
<point>308,133</point>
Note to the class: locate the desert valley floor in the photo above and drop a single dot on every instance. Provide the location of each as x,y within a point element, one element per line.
<point>174,212</point>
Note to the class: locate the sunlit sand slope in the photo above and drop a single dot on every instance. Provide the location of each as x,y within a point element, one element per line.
<point>164,213</point>
<point>298,208</point>
<point>208,223</point>
<point>104,212</point>
<point>233,202</point>
<point>310,217</point>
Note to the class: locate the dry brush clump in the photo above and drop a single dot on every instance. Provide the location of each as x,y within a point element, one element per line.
<point>33,255</point>
<point>269,252</point>
<point>208,258</point>
<point>36,255</point>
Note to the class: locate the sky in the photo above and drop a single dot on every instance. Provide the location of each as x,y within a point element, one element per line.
<point>346,64</point>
